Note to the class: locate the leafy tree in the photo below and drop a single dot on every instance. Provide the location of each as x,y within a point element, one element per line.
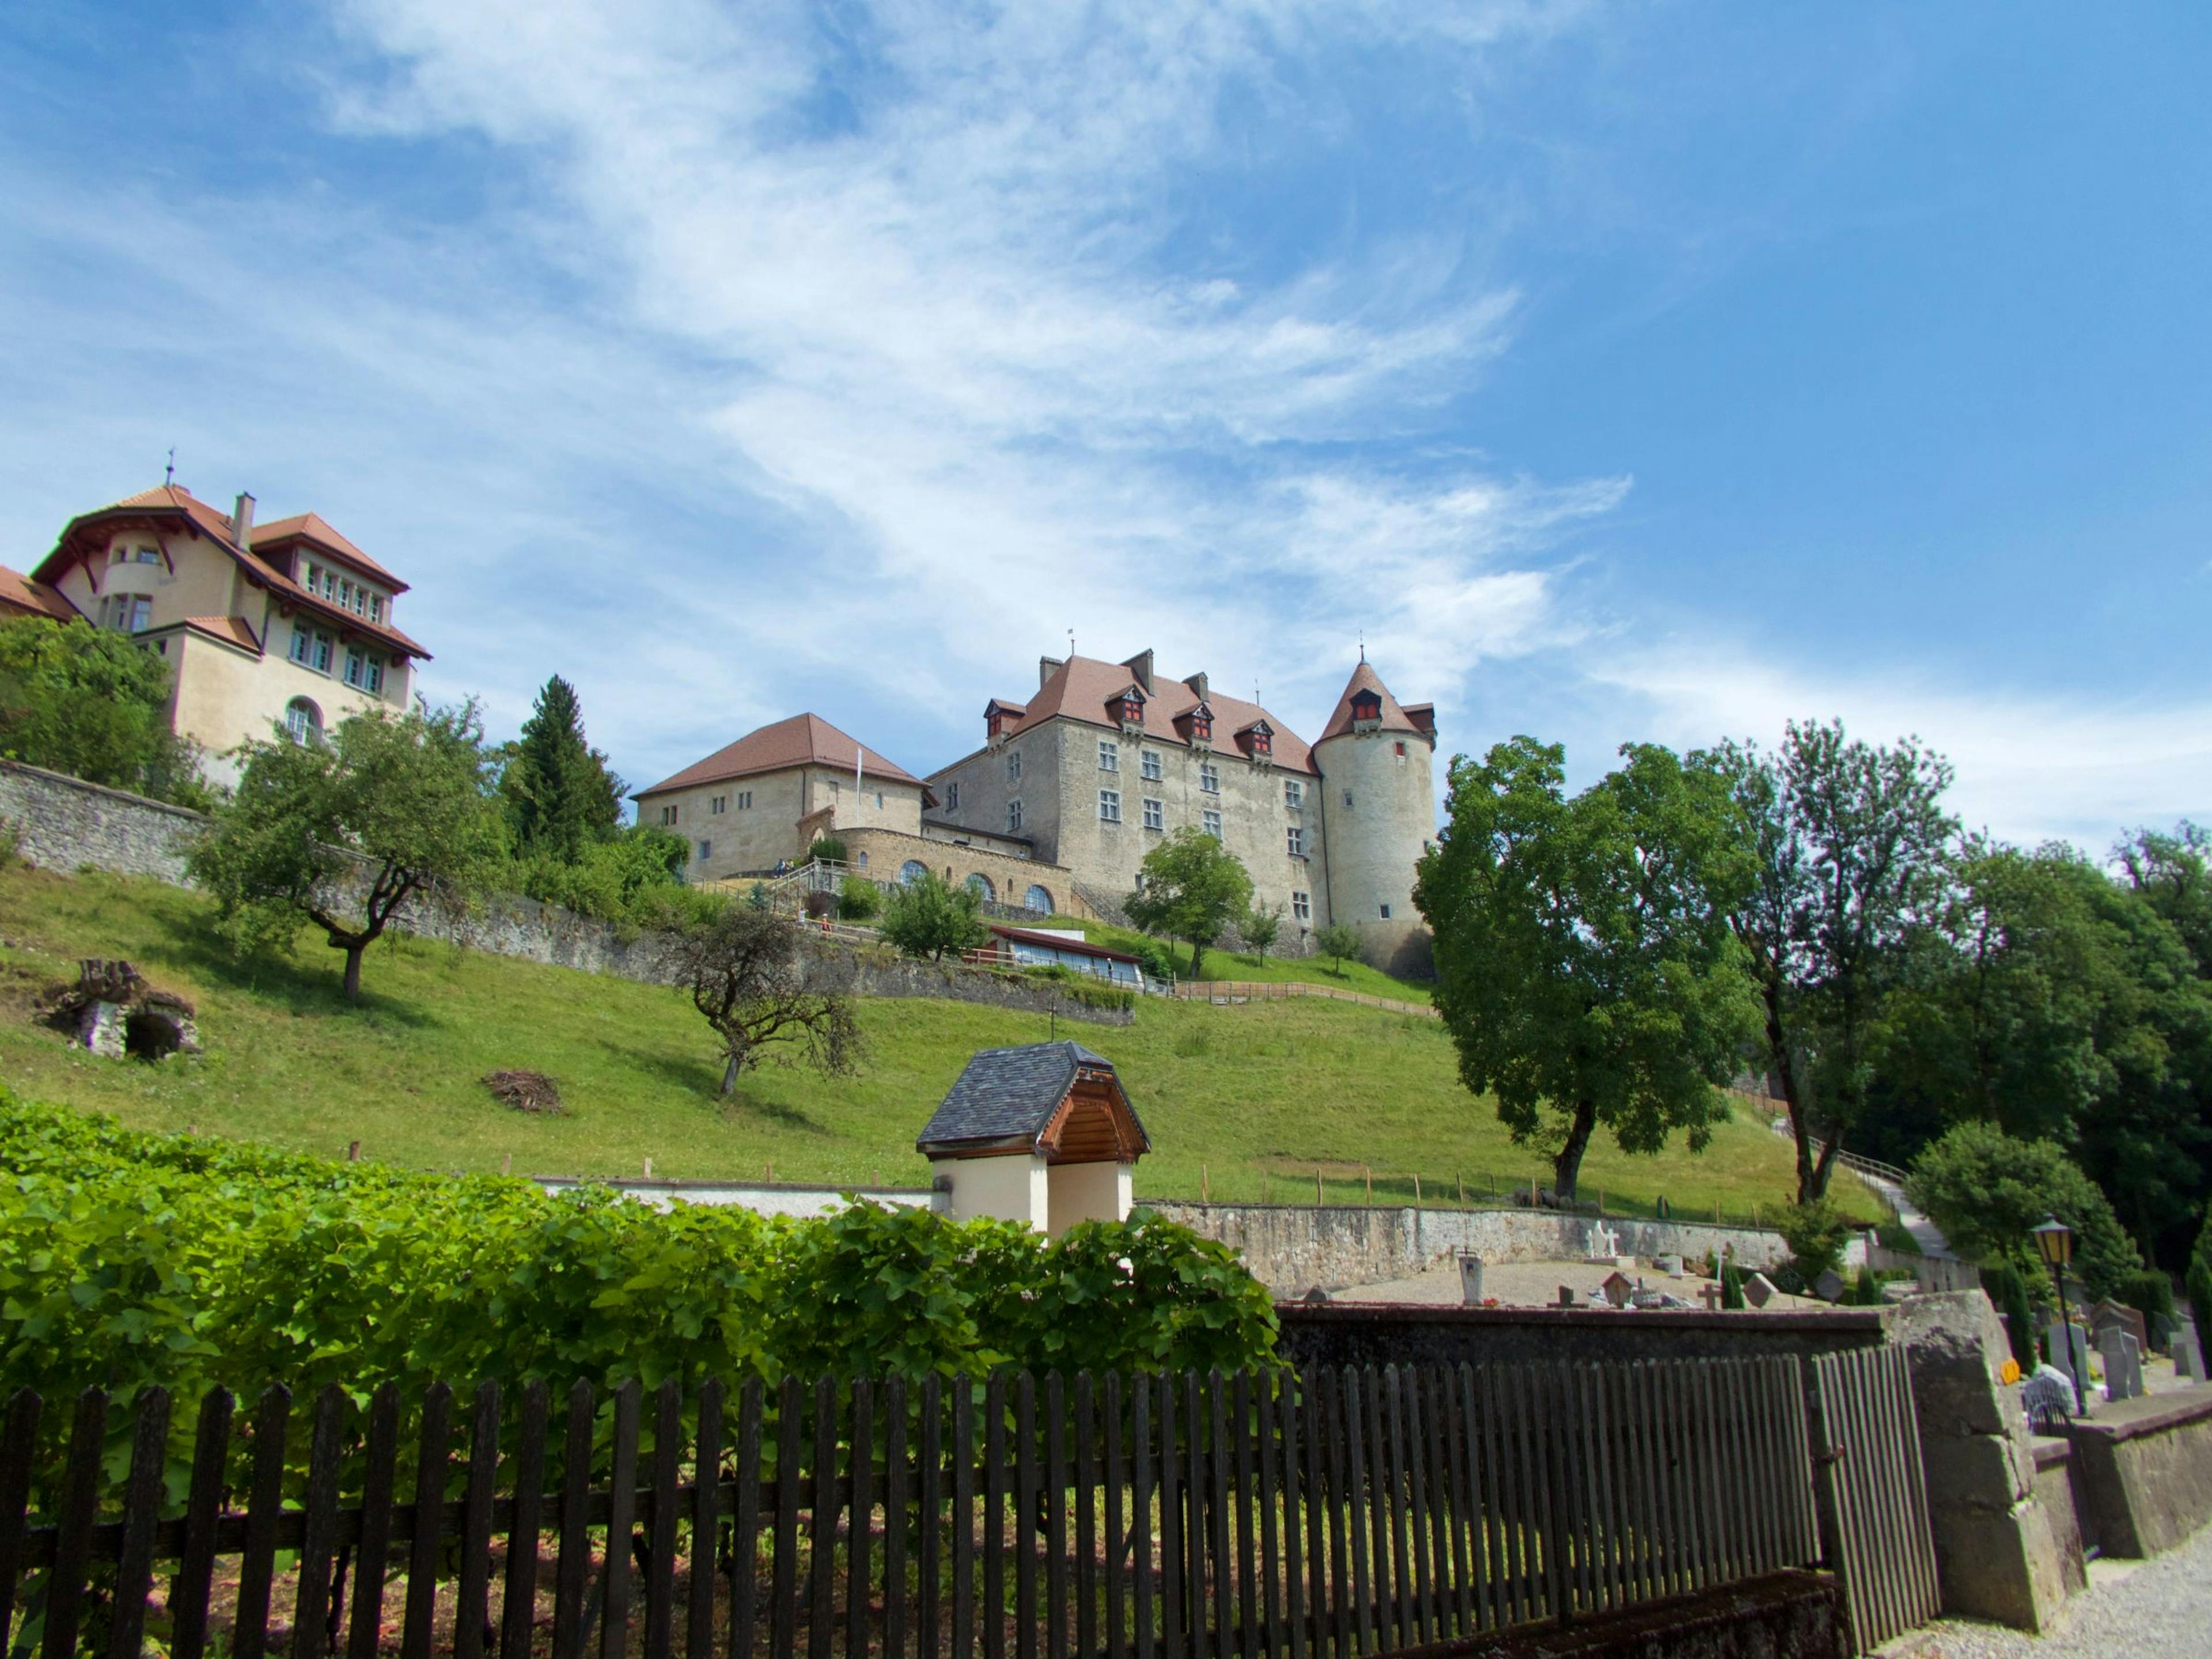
<point>1986,1190</point>
<point>1191,888</point>
<point>2198,1283</point>
<point>1259,929</point>
<point>1584,966</point>
<point>930,917</point>
<point>1815,1233</point>
<point>827,849</point>
<point>344,833</point>
<point>1339,943</point>
<point>636,878</point>
<point>1852,850</point>
<point>755,979</point>
<point>2172,872</point>
<point>561,796</point>
<point>90,702</point>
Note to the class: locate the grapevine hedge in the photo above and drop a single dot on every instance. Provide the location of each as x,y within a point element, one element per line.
<point>129,1259</point>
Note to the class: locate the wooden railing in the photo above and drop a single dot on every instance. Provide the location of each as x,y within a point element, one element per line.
<point>1174,1516</point>
<point>1282,990</point>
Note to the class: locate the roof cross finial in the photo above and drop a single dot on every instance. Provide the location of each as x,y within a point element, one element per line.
<point>1363,644</point>
<point>1071,645</point>
<point>170,476</point>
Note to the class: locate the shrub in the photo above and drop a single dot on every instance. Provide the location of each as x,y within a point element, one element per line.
<point>1339,942</point>
<point>128,1260</point>
<point>1731,1285</point>
<point>1815,1234</point>
<point>1866,1289</point>
<point>1153,958</point>
<point>2011,1298</point>
<point>1986,1190</point>
<point>92,703</point>
<point>858,900</point>
<point>827,849</point>
<point>2200,1303</point>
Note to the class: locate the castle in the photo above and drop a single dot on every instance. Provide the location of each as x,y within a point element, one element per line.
<point>1071,787</point>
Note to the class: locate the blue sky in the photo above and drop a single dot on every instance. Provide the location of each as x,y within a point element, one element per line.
<point>1622,371</point>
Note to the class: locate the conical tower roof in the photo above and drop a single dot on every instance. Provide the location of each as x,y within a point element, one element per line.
<point>1365,678</point>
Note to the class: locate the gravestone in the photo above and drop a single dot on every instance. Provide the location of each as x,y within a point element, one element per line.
<point>1759,1289</point>
<point>1829,1286</point>
<point>1470,1281</point>
<point>1617,1288</point>
<point>2188,1358</point>
<point>2069,1352</point>
<point>2123,1358</point>
<point>1671,1266</point>
<point>1710,1294</point>
<point>1566,1296</point>
<point>2108,1314</point>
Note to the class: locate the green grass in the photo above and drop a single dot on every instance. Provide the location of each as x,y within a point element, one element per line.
<point>1218,965</point>
<point>1251,1099</point>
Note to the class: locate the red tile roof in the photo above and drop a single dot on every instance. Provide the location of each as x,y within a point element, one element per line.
<point>168,500</point>
<point>232,630</point>
<point>21,597</point>
<point>1081,687</point>
<point>802,740</point>
<point>1081,947</point>
<point>1365,678</point>
<point>313,527</point>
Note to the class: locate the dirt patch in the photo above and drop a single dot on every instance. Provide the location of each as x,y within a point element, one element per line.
<point>526,1091</point>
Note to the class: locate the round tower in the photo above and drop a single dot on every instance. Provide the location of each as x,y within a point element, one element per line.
<point>1378,816</point>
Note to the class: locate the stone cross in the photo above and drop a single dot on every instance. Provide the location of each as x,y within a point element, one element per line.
<point>2188,1358</point>
<point>1711,1295</point>
<point>1604,1241</point>
<point>2123,1358</point>
<point>1759,1289</point>
<point>2069,1352</point>
<point>1470,1281</point>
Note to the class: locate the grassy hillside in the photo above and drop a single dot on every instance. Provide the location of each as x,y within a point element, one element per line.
<point>1258,1094</point>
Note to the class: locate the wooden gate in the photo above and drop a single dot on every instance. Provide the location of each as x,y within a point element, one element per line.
<point>1873,1493</point>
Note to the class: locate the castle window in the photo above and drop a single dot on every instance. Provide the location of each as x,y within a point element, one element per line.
<point>1148,765</point>
<point>1386,913</point>
<point>706,851</point>
<point>980,885</point>
<point>667,815</point>
<point>1013,764</point>
<point>1298,841</point>
<point>952,798</point>
<point>1038,899</point>
<point>745,799</point>
<point>1109,756</point>
<point>1399,750</point>
<point>1211,822</point>
<point>1013,818</point>
<point>1347,797</point>
<point>1109,806</point>
<point>1209,778</point>
<point>1156,815</point>
<point>1301,908</point>
<point>720,804</point>
<point>1366,707</point>
<point>912,871</point>
<point>1294,794</point>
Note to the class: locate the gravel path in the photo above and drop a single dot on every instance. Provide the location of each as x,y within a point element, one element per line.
<point>2156,1609</point>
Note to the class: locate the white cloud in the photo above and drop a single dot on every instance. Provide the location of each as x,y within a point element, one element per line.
<point>2030,768</point>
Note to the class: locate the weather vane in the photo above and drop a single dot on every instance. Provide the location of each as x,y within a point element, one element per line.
<point>1363,644</point>
<point>170,476</point>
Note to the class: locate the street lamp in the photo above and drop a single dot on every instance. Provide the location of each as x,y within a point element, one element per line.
<point>2054,1241</point>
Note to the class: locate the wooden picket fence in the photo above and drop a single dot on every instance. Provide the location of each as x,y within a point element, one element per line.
<point>1315,1515</point>
<point>1869,1440</point>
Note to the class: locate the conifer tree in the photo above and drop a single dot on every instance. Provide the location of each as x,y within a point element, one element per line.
<point>560,794</point>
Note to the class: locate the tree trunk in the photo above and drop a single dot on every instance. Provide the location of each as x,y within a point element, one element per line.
<point>731,1068</point>
<point>1566,1168</point>
<point>353,972</point>
<point>1197,955</point>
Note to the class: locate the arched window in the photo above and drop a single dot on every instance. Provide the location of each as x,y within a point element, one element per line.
<point>303,721</point>
<point>1038,900</point>
<point>980,885</point>
<point>912,871</point>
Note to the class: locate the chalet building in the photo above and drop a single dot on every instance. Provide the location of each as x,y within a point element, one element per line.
<point>279,627</point>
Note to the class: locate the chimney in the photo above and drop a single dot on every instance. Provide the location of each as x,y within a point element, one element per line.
<point>1046,667</point>
<point>1141,666</point>
<point>1197,684</point>
<point>241,522</point>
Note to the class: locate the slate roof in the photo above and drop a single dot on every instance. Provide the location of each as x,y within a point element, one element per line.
<point>1006,1094</point>
<point>1080,688</point>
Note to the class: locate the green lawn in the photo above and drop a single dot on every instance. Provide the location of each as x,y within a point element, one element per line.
<point>1251,1099</point>
<point>1235,965</point>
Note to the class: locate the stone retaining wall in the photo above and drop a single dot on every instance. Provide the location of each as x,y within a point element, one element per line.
<point>2142,1470</point>
<point>61,822</point>
<point>1291,1248</point>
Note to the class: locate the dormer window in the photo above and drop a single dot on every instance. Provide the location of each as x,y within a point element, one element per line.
<point>999,719</point>
<point>1126,708</point>
<point>1196,725</point>
<point>1366,711</point>
<point>1257,740</point>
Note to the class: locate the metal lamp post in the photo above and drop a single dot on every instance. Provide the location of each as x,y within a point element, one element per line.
<point>2054,1241</point>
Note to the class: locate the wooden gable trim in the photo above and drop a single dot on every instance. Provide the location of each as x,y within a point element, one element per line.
<point>1103,1093</point>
